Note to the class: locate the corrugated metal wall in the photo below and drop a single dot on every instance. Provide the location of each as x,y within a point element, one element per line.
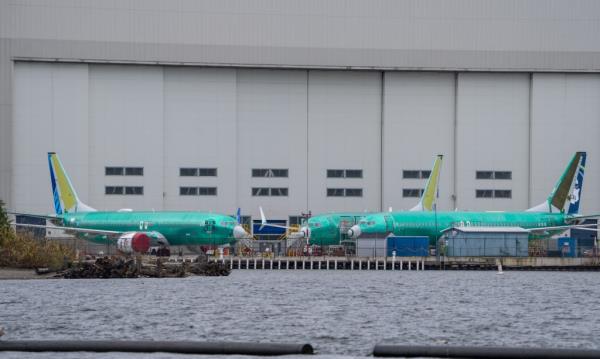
<point>166,118</point>
<point>433,34</point>
<point>68,106</point>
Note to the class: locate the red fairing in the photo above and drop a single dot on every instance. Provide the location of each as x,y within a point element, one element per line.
<point>140,242</point>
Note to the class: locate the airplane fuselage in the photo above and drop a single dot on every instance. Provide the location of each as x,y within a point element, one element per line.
<point>432,224</point>
<point>178,228</point>
<point>326,229</point>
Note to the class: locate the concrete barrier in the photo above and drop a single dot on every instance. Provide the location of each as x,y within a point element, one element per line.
<point>137,346</point>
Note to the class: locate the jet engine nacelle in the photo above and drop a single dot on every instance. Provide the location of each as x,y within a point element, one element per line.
<point>304,232</point>
<point>133,242</point>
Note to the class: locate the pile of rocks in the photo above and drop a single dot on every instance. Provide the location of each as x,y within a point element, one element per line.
<point>106,267</point>
<point>121,267</point>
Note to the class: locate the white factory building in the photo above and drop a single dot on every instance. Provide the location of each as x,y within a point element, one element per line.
<point>298,105</point>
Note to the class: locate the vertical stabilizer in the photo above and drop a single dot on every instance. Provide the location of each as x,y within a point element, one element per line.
<point>63,193</point>
<point>575,196</point>
<point>560,193</point>
<point>430,192</point>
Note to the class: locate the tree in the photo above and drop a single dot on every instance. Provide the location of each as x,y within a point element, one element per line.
<point>4,221</point>
<point>5,228</point>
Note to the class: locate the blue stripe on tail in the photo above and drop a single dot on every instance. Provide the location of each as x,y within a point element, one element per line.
<point>575,197</point>
<point>57,206</point>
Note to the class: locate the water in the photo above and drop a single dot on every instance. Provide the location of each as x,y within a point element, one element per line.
<point>341,313</point>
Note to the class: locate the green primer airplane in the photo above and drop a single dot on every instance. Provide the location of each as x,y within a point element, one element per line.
<point>324,229</point>
<point>135,231</point>
<point>540,221</point>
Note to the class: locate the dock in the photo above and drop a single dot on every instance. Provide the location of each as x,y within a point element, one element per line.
<point>409,263</point>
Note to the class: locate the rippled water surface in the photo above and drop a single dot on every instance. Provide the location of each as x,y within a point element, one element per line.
<point>339,312</point>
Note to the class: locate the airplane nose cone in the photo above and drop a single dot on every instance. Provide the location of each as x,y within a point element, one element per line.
<point>239,232</point>
<point>354,232</point>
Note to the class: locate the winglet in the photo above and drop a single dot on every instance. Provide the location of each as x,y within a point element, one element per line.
<point>431,188</point>
<point>263,219</point>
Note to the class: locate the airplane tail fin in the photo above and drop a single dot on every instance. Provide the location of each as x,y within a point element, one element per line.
<point>430,192</point>
<point>575,196</point>
<point>64,195</point>
<point>560,193</point>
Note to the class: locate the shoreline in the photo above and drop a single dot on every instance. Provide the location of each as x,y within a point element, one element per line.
<point>10,273</point>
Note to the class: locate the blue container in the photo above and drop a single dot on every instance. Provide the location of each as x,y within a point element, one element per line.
<point>408,246</point>
<point>567,247</point>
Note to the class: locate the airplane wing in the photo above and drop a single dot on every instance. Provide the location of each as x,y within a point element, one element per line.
<point>576,218</point>
<point>589,229</point>
<point>73,229</point>
<point>263,221</point>
<point>543,229</point>
<point>550,228</point>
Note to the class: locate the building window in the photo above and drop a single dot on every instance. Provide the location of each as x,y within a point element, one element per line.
<point>484,175</point>
<point>354,173</point>
<point>207,172</point>
<point>416,174</point>
<point>207,191</point>
<point>503,175</point>
<point>335,192</point>
<point>120,171</point>
<point>188,191</point>
<point>411,174</point>
<point>353,192</point>
<point>335,173</point>
<point>484,193</point>
<point>134,171</point>
<point>128,190</point>
<point>113,190</point>
<point>270,172</point>
<point>491,193</point>
<point>188,172</point>
<point>279,192</point>
<point>260,191</point>
<point>134,190</point>
<point>297,220</point>
<point>500,175</point>
<point>197,191</point>
<point>266,191</point>
<point>344,173</point>
<point>195,172</point>
<point>502,193</point>
<point>113,171</point>
<point>344,192</point>
<point>412,192</point>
